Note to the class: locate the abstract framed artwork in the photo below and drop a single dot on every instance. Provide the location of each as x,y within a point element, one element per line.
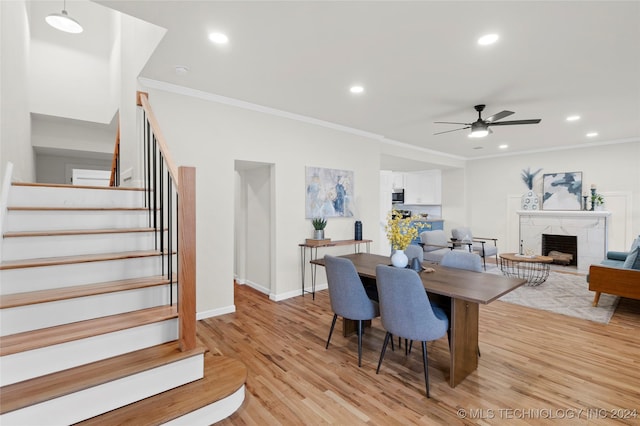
<point>329,193</point>
<point>562,191</point>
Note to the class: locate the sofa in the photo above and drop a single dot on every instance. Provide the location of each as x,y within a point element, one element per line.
<point>618,274</point>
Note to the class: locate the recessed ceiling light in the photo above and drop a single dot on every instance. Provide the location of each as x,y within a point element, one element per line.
<point>488,39</point>
<point>356,89</point>
<point>218,38</point>
<point>503,146</point>
<point>592,134</point>
<point>573,118</point>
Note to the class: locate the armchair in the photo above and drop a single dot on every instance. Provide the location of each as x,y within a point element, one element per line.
<point>435,245</point>
<point>479,244</point>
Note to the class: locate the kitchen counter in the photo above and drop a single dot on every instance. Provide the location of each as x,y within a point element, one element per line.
<point>436,224</point>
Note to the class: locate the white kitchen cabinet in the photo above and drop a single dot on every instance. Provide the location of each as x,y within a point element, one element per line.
<point>398,180</point>
<point>423,187</point>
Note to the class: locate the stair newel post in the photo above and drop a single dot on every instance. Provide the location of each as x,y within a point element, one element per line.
<point>187,257</point>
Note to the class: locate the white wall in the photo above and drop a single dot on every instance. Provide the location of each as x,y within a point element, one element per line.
<point>73,135</point>
<point>257,184</point>
<point>492,184</point>
<point>53,168</point>
<point>15,122</point>
<point>211,136</point>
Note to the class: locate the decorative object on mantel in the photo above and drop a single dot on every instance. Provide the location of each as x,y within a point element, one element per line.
<point>562,191</point>
<point>597,200</point>
<point>319,224</point>
<point>400,232</point>
<point>529,199</point>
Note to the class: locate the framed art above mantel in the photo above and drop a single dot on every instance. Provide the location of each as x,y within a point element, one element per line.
<point>562,191</point>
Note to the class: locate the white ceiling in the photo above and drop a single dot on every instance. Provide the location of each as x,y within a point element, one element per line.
<point>419,63</point>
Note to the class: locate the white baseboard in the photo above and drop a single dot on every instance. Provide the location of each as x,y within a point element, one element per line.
<point>295,293</point>
<point>215,312</point>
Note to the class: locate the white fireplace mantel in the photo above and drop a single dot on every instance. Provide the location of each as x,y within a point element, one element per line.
<point>564,213</point>
<point>590,228</point>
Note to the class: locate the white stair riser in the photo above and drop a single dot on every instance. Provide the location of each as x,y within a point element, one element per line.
<point>35,196</point>
<point>42,315</point>
<point>20,248</point>
<point>90,402</point>
<point>46,277</point>
<point>56,220</point>
<point>26,365</point>
<point>212,413</point>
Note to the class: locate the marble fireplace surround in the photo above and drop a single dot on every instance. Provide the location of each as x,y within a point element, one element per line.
<point>590,229</point>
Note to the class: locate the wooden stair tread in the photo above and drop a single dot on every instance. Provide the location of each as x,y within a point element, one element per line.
<point>50,386</point>
<point>65,232</point>
<point>222,377</point>
<point>49,336</point>
<point>63,185</point>
<point>67,260</point>
<point>71,292</point>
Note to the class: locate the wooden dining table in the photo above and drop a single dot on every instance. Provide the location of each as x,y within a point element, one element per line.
<point>464,290</point>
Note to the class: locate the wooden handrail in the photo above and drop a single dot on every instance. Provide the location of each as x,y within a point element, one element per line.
<point>143,101</point>
<point>183,181</point>
<point>116,155</point>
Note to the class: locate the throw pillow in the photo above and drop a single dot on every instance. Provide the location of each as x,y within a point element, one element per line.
<point>633,260</point>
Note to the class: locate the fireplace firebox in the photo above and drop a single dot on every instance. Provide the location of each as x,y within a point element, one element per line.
<point>567,244</point>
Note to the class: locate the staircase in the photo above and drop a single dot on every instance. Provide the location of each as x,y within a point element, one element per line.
<point>90,329</point>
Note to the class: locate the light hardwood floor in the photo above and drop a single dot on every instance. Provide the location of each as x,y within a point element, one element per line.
<point>536,368</point>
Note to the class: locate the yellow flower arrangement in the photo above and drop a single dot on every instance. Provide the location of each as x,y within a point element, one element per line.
<point>401,232</point>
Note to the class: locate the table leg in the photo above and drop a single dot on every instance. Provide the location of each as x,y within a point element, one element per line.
<point>313,274</point>
<point>303,265</point>
<point>464,340</point>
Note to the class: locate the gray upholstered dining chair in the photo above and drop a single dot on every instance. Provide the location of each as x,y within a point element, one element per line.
<point>478,244</point>
<point>407,312</point>
<point>348,297</point>
<point>462,260</point>
<point>414,250</point>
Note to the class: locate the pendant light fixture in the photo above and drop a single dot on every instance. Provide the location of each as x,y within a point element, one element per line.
<point>63,22</point>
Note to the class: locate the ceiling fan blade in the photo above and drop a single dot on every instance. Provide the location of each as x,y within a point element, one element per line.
<point>454,130</point>
<point>499,116</point>
<point>451,122</point>
<point>509,123</point>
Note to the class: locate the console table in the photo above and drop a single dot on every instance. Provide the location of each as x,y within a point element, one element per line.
<point>313,246</point>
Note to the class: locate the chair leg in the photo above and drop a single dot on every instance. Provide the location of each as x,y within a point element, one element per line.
<point>410,346</point>
<point>384,348</point>
<point>359,343</point>
<point>479,352</point>
<point>426,366</point>
<point>333,324</point>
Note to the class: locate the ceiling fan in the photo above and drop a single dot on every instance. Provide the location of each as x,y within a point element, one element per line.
<point>480,127</point>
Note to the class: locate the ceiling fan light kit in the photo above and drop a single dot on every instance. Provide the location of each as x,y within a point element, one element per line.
<point>480,128</point>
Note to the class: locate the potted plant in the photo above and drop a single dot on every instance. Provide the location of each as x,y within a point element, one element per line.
<point>319,224</point>
<point>401,232</point>
<point>597,201</point>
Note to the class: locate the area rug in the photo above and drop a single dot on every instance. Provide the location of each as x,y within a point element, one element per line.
<point>566,294</point>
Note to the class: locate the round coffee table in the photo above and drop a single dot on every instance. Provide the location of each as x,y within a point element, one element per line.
<point>534,269</point>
